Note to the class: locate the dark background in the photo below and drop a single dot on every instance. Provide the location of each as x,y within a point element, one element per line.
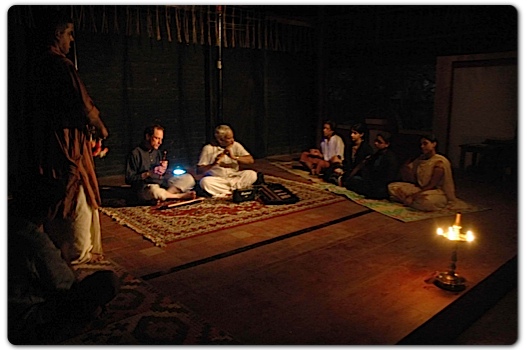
<point>341,62</point>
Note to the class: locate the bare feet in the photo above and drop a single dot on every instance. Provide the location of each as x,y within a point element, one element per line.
<point>187,195</point>
<point>179,195</point>
<point>95,258</point>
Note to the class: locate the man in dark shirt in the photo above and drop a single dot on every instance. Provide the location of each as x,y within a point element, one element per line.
<point>145,171</point>
<point>378,170</point>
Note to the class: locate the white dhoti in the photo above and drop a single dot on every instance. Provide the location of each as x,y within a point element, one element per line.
<point>86,231</point>
<point>177,184</point>
<point>78,237</point>
<point>181,183</point>
<point>220,187</point>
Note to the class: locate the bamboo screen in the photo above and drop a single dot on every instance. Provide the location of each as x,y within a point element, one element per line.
<point>191,24</point>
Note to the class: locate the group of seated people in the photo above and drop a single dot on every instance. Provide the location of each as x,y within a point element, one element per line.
<point>43,290</point>
<point>219,165</point>
<point>424,183</point>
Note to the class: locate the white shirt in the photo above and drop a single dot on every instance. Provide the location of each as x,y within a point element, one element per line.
<point>209,154</point>
<point>332,147</point>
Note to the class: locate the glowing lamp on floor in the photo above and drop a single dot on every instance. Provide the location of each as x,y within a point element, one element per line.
<point>178,171</point>
<point>450,280</point>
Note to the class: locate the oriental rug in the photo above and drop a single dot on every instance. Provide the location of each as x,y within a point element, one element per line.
<point>392,209</point>
<point>140,315</point>
<point>170,225</point>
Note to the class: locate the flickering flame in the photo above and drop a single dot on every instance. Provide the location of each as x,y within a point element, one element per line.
<point>454,234</point>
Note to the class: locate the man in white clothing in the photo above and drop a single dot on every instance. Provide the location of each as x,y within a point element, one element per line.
<point>220,163</point>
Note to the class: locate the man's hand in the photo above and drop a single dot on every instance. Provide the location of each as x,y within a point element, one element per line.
<point>228,152</point>
<point>160,170</point>
<point>218,157</point>
<point>315,152</point>
<point>104,133</point>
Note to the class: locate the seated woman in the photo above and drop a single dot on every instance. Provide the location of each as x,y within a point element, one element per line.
<point>338,174</point>
<point>378,170</point>
<point>427,181</point>
<point>331,151</point>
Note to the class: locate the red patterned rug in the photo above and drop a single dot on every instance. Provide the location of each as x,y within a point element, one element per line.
<point>170,225</point>
<point>138,315</point>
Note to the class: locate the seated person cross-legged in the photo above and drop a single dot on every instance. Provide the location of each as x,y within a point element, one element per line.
<point>44,295</point>
<point>352,167</point>
<point>331,152</point>
<point>378,170</point>
<point>220,161</point>
<point>427,184</point>
<point>145,171</point>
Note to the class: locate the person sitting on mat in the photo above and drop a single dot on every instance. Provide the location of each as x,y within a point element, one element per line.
<point>220,162</point>
<point>331,151</point>
<point>44,296</point>
<point>146,170</point>
<point>427,184</point>
<point>359,150</point>
<point>378,170</point>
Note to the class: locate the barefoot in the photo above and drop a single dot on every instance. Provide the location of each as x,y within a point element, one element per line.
<point>95,258</point>
<point>188,195</point>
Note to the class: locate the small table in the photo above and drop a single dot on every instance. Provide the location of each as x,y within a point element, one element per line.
<point>475,149</point>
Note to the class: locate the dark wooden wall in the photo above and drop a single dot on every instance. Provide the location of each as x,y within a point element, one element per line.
<point>268,97</point>
<point>369,62</point>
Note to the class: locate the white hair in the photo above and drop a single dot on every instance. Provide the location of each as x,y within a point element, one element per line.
<point>222,130</point>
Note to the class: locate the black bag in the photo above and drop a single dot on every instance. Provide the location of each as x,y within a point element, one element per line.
<point>276,193</point>
<point>243,195</point>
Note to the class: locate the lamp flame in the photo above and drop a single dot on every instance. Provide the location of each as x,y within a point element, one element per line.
<point>454,234</point>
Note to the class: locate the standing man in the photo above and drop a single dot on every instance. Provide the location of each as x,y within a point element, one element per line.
<point>145,171</point>
<point>61,117</point>
<point>220,163</point>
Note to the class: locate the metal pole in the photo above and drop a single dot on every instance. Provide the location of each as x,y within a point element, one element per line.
<point>74,41</point>
<point>219,116</point>
<point>75,54</point>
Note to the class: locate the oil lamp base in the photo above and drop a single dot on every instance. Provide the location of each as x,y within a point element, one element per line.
<point>450,281</point>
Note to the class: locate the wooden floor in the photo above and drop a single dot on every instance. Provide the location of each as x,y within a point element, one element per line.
<point>346,277</point>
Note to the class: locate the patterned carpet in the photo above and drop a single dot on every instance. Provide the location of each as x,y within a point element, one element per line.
<point>139,315</point>
<point>170,225</point>
<point>386,207</point>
